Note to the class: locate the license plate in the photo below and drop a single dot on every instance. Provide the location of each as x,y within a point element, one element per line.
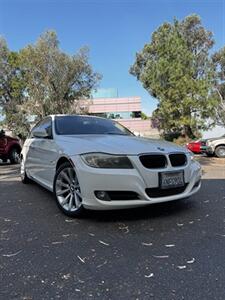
<point>171,179</point>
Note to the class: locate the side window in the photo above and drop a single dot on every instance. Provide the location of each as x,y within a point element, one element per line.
<point>44,124</point>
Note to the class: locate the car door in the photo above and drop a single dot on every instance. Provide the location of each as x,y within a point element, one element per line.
<point>43,154</point>
<point>30,153</point>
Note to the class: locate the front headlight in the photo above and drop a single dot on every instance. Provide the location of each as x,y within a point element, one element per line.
<point>190,154</point>
<point>106,161</point>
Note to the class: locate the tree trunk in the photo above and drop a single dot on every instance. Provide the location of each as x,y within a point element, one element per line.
<point>188,132</point>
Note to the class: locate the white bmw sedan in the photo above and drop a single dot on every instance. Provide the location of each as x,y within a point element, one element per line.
<point>95,163</point>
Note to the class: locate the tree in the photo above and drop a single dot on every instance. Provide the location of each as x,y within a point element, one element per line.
<point>144,116</point>
<point>53,81</point>
<point>56,80</point>
<point>176,69</point>
<point>219,90</point>
<point>12,87</point>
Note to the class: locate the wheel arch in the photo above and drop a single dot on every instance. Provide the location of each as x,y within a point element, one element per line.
<point>62,160</point>
<point>219,145</point>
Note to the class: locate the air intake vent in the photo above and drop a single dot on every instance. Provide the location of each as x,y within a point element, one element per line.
<point>157,192</point>
<point>153,161</point>
<point>178,159</point>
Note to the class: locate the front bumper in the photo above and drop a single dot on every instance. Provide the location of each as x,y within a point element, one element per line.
<point>136,180</point>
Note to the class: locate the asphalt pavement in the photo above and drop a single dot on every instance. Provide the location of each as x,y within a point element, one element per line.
<point>173,250</point>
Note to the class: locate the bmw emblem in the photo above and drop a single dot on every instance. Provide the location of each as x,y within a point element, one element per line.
<point>161,149</point>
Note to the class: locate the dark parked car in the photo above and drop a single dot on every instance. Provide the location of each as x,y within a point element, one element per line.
<point>9,148</point>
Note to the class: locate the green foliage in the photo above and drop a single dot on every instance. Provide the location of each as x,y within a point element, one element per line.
<point>54,79</point>
<point>219,90</point>
<point>11,78</point>
<point>12,89</point>
<point>144,116</point>
<point>176,69</point>
<point>41,79</point>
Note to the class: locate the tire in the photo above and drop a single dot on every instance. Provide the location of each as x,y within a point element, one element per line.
<point>14,156</point>
<point>67,192</point>
<point>23,175</point>
<point>220,151</point>
<point>209,154</point>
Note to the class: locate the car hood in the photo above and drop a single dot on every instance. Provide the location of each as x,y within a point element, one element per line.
<point>114,144</point>
<point>216,138</point>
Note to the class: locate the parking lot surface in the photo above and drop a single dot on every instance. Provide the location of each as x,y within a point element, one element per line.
<point>173,250</point>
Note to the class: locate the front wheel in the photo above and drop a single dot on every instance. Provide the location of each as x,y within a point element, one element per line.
<point>67,191</point>
<point>220,151</point>
<point>209,154</point>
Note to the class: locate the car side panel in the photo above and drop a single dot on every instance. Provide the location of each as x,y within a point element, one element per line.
<point>42,160</point>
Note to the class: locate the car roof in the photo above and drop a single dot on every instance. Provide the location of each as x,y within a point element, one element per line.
<point>75,115</point>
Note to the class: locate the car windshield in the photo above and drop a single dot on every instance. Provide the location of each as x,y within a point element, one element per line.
<point>71,125</point>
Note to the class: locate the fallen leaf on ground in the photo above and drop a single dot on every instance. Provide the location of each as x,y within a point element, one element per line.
<point>66,276</point>
<point>13,254</point>
<point>149,276</point>
<point>103,243</point>
<point>91,234</point>
<point>191,261</point>
<point>161,256</point>
<point>104,263</point>
<point>81,259</point>
<point>147,244</point>
<point>181,267</point>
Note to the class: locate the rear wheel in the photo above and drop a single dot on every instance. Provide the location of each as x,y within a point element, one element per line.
<point>220,151</point>
<point>67,191</point>
<point>14,156</point>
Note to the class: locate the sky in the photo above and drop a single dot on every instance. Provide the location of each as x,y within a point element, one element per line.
<point>114,30</point>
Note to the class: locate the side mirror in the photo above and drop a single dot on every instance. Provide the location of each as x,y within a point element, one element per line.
<point>40,133</point>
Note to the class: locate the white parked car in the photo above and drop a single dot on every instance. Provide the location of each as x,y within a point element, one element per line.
<point>95,163</point>
<point>216,147</point>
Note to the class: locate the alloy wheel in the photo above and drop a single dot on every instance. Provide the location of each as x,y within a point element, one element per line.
<point>67,190</point>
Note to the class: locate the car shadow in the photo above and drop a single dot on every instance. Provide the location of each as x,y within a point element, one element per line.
<point>141,213</point>
<point>160,210</point>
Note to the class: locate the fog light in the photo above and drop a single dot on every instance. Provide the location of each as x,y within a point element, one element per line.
<point>102,195</point>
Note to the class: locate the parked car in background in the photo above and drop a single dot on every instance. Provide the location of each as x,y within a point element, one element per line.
<point>197,147</point>
<point>96,163</point>
<point>9,148</point>
<point>216,147</point>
